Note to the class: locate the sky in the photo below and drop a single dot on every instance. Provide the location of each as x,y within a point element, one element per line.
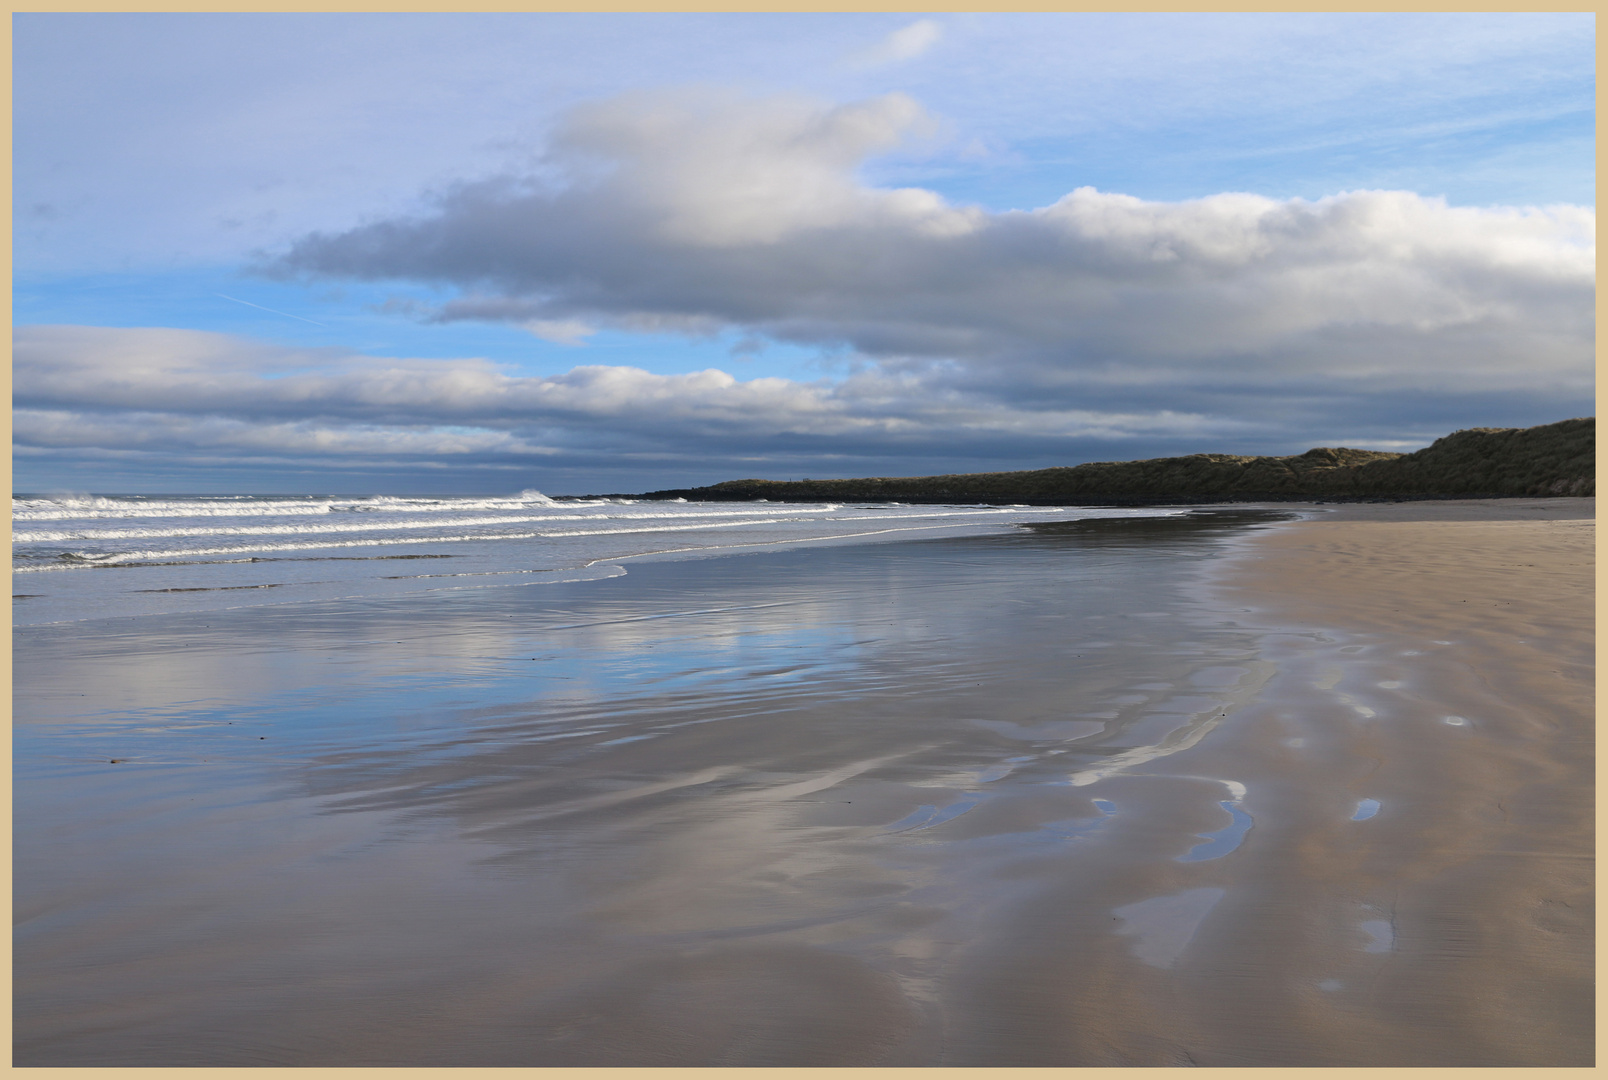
<point>588,253</point>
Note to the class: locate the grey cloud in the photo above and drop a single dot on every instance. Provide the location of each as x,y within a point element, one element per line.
<point>87,398</point>
<point>69,371</point>
<point>162,431</point>
<point>188,394</point>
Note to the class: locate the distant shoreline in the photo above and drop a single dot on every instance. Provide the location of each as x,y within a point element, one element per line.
<point>1549,460</point>
<point>1122,501</point>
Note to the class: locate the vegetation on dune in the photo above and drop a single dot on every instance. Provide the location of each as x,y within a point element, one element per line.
<point>1553,459</point>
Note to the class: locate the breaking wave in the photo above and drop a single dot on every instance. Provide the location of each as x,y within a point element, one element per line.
<point>174,546</point>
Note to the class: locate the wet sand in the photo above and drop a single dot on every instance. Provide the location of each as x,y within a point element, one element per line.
<point>1417,887</point>
<point>1310,793</point>
<point>1425,762</point>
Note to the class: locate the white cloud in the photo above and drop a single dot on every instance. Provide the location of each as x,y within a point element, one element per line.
<point>706,211</point>
<point>707,168</point>
<point>905,43</point>
<point>144,139</point>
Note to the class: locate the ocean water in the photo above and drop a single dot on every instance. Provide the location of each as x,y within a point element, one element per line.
<point>92,556</point>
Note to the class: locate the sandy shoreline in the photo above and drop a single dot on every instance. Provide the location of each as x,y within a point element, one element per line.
<point>1091,799</point>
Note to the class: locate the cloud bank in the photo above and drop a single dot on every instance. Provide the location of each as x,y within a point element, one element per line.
<point>196,393</point>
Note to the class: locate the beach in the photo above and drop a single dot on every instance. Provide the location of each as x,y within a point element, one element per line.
<point>1285,785</point>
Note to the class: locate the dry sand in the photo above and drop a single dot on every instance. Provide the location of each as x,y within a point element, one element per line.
<point>1328,805</point>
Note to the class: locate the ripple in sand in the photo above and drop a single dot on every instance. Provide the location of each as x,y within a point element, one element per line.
<point>1366,809</point>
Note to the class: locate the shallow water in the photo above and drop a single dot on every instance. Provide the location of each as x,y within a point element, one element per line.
<point>1224,840</point>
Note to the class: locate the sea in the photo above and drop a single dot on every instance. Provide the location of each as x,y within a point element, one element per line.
<point>82,556</point>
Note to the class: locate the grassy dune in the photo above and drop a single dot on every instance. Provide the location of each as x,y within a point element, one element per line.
<point>1553,459</point>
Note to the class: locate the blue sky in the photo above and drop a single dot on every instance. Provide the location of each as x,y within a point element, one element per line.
<point>287,252</point>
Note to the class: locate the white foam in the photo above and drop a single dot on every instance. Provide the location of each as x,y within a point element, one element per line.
<point>176,543</point>
<point>303,529</point>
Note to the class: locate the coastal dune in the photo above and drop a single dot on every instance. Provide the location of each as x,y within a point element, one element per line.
<point>1476,463</point>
